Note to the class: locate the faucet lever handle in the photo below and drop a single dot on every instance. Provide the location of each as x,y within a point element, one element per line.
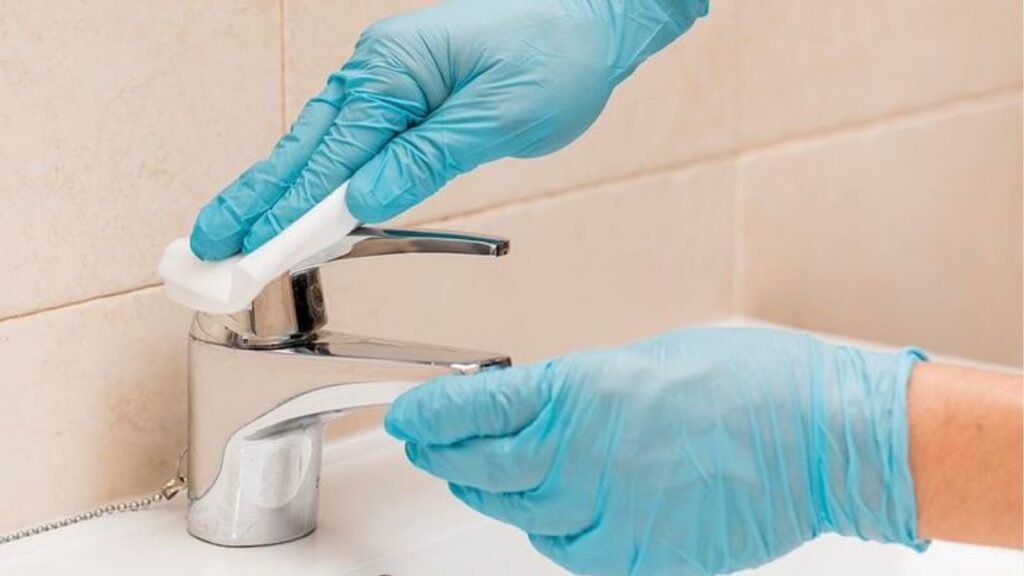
<point>370,241</point>
<point>291,308</point>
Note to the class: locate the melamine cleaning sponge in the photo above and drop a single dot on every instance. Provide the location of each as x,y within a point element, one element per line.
<point>230,285</point>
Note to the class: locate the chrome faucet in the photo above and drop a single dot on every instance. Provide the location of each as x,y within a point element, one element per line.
<point>263,381</point>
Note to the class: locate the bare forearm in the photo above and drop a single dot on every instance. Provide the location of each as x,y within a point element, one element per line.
<point>966,453</point>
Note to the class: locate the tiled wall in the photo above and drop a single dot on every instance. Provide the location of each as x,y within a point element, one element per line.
<point>819,164</point>
<point>117,120</point>
<point>908,231</point>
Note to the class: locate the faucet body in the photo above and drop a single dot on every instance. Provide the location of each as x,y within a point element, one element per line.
<point>264,381</point>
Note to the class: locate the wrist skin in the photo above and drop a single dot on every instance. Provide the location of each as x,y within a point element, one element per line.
<point>966,453</point>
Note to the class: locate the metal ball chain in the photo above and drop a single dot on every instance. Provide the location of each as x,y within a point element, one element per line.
<point>91,514</point>
<point>166,492</point>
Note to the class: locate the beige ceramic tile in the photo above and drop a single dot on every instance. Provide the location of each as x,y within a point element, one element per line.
<point>908,233</point>
<point>603,267</point>
<point>677,106</point>
<point>94,404</point>
<point>808,65</point>
<point>119,121</point>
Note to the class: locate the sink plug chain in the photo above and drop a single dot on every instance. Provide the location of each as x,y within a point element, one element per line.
<point>168,491</point>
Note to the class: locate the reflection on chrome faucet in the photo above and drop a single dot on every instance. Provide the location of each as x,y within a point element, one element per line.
<point>263,381</point>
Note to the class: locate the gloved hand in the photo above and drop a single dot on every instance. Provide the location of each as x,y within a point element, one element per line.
<point>434,93</point>
<point>703,451</point>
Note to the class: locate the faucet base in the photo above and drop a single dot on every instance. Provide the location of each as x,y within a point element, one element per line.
<point>256,421</point>
<point>234,545</point>
<point>268,492</point>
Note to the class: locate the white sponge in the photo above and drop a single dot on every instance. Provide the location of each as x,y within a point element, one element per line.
<point>230,285</point>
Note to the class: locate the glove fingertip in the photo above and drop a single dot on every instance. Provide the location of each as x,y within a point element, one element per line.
<point>412,452</point>
<point>550,546</point>
<point>206,244</point>
<point>466,495</point>
<point>394,424</point>
<point>258,235</point>
<point>204,248</point>
<point>363,204</point>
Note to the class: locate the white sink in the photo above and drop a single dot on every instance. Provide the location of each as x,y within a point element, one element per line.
<point>379,515</point>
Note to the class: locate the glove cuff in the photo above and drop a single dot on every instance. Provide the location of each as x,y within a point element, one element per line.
<point>646,26</point>
<point>860,441</point>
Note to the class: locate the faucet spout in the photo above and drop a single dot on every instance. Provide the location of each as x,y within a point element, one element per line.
<point>256,420</point>
<point>323,404</point>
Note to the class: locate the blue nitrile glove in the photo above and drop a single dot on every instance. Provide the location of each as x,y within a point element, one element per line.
<point>434,93</point>
<point>703,451</point>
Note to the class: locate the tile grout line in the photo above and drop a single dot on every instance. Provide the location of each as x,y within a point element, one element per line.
<point>896,119</point>
<point>84,301</point>
<point>738,240</point>
<point>744,152</point>
<point>282,65</point>
<point>734,156</point>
